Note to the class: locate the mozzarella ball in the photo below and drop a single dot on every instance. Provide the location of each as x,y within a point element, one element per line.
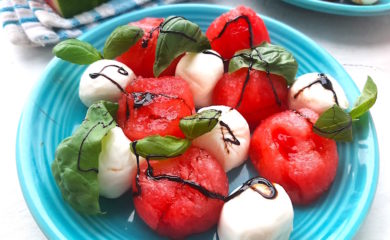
<point>230,148</point>
<point>250,216</point>
<point>202,72</point>
<point>308,92</point>
<point>117,164</point>
<point>365,2</point>
<point>103,80</point>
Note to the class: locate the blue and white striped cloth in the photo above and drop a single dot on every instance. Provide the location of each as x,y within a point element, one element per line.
<point>34,23</point>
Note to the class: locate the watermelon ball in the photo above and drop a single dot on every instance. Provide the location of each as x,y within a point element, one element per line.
<point>230,32</point>
<point>176,210</point>
<point>285,150</point>
<point>258,99</point>
<point>154,106</point>
<point>140,57</point>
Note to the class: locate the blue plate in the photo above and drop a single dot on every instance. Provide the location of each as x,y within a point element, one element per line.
<point>54,110</point>
<point>347,9</point>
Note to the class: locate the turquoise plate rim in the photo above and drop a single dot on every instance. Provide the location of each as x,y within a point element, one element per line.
<point>342,9</point>
<point>31,197</point>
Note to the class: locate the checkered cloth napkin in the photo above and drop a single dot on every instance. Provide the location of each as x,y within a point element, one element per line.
<point>34,23</point>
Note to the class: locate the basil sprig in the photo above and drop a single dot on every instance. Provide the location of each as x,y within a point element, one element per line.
<point>366,100</point>
<point>336,124</point>
<point>157,147</point>
<point>120,40</point>
<point>266,57</point>
<point>200,123</point>
<point>77,157</point>
<point>76,51</point>
<point>79,52</point>
<point>177,36</point>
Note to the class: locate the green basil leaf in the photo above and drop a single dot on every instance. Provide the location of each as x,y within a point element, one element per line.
<point>77,157</point>
<point>120,40</point>
<point>198,124</point>
<point>76,51</point>
<point>157,147</point>
<point>366,100</point>
<point>334,123</point>
<point>266,57</point>
<point>177,36</point>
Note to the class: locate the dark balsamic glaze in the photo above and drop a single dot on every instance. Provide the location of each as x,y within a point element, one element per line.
<point>233,139</point>
<point>141,99</point>
<point>320,130</point>
<point>160,28</point>
<point>251,184</point>
<point>325,83</point>
<point>248,184</point>
<point>145,40</point>
<point>247,77</point>
<point>121,71</point>
<point>174,32</point>
<point>149,174</point>
<point>217,112</point>
<point>246,18</point>
<point>82,144</point>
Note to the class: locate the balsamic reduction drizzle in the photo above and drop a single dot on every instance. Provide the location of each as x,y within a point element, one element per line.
<point>217,112</point>
<point>349,125</point>
<point>121,71</point>
<point>149,174</point>
<point>232,140</point>
<point>246,18</point>
<point>174,32</point>
<point>144,98</point>
<point>160,27</point>
<point>82,144</point>
<point>247,77</point>
<point>325,83</point>
<point>248,184</point>
<point>145,40</point>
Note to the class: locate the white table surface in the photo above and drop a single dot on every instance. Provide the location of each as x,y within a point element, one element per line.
<point>361,44</point>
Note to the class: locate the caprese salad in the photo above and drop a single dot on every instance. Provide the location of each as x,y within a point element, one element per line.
<point>171,110</point>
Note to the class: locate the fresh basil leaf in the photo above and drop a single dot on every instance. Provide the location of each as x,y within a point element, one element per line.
<point>334,123</point>
<point>76,51</point>
<point>198,124</point>
<point>177,36</point>
<point>366,100</point>
<point>77,157</point>
<point>157,147</point>
<point>120,40</point>
<point>266,57</point>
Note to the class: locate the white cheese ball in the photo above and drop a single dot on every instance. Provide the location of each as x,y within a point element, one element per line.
<point>117,164</point>
<point>96,83</point>
<point>250,216</point>
<point>202,72</point>
<point>365,2</point>
<point>216,142</point>
<point>316,96</point>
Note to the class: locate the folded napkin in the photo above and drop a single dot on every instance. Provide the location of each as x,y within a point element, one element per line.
<point>34,23</point>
